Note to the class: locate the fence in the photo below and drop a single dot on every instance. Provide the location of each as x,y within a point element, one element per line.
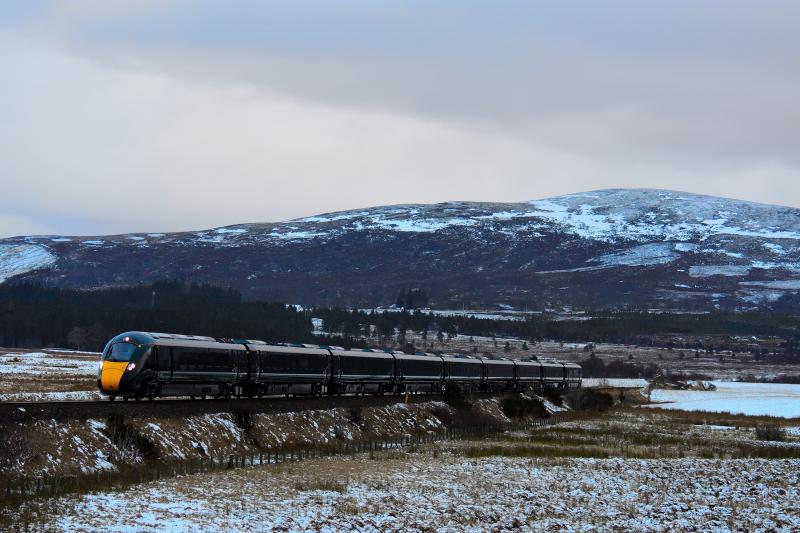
<point>127,475</point>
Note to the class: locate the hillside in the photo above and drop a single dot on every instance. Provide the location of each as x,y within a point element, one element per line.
<point>617,248</point>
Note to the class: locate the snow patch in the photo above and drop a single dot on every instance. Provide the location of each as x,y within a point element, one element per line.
<point>704,271</point>
<point>16,259</point>
<point>646,254</point>
<point>774,248</point>
<point>784,284</point>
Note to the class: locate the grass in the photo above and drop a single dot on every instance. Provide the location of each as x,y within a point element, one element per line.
<point>323,484</point>
<point>770,433</point>
<point>474,452</point>
<point>639,434</point>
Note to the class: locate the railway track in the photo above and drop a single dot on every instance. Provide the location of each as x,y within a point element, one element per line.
<point>182,407</point>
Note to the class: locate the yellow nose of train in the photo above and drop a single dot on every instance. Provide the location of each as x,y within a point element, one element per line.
<point>110,375</point>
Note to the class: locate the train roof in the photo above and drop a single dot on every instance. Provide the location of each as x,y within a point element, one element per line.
<point>418,357</point>
<point>358,353</point>
<point>178,336</point>
<point>461,358</point>
<point>288,348</point>
<point>173,339</point>
<point>498,361</point>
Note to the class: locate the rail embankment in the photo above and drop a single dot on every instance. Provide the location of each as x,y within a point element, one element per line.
<point>48,452</point>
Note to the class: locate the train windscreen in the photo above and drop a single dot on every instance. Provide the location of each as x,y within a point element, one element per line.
<point>121,351</point>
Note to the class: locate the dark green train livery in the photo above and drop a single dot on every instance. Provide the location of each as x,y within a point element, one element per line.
<point>138,364</point>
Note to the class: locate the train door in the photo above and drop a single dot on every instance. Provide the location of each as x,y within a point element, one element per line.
<point>334,378</point>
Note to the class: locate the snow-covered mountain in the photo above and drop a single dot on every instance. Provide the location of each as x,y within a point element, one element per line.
<point>611,248</point>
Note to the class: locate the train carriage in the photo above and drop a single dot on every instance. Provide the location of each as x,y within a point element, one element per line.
<point>552,375</point>
<point>157,364</point>
<point>498,374</point>
<point>463,370</point>
<point>287,369</point>
<point>418,373</point>
<point>572,375</point>
<point>528,374</point>
<point>361,371</point>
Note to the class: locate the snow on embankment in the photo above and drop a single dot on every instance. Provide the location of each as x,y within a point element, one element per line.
<point>16,259</point>
<point>48,447</point>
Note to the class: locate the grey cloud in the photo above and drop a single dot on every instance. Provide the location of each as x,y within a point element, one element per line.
<point>317,106</point>
<point>655,79</point>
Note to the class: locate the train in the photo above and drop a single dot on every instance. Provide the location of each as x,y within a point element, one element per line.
<point>139,364</point>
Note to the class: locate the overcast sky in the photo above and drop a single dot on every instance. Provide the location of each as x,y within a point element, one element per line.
<point>151,115</point>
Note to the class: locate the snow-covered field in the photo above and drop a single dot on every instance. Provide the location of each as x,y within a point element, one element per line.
<point>770,399</point>
<point>622,383</point>
<point>417,492</point>
<point>48,375</point>
<point>626,470</point>
<point>40,363</point>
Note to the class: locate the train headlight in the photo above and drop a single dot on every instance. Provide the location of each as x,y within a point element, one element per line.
<point>131,366</point>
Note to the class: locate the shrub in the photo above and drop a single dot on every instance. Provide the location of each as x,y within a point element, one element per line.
<point>454,395</point>
<point>591,400</point>
<point>554,395</point>
<point>770,432</point>
<point>244,419</point>
<point>356,416</point>
<point>130,441</point>
<point>15,449</point>
<point>518,406</point>
<point>444,414</point>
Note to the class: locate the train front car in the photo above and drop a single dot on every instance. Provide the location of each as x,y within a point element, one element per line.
<point>124,366</point>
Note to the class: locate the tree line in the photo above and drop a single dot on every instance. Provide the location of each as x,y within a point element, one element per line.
<point>37,316</point>
<point>33,316</point>
<point>725,331</point>
<point>618,327</point>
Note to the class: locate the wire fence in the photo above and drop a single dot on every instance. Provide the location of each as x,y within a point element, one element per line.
<point>125,476</point>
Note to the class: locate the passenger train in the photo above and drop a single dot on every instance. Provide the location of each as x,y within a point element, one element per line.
<point>138,364</point>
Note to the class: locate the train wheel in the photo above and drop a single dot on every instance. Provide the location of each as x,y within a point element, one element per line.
<point>112,398</point>
<point>124,398</point>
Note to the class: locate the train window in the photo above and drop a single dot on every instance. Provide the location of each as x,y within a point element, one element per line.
<point>432,368</point>
<point>121,352</point>
<point>291,363</point>
<point>365,365</point>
